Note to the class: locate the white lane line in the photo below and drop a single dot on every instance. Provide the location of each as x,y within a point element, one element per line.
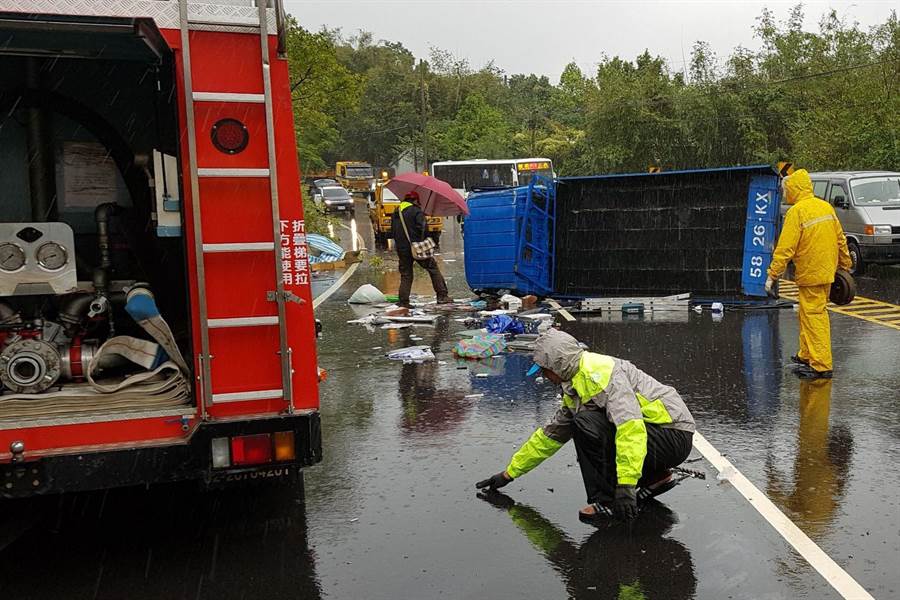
<point>343,279</point>
<point>837,577</point>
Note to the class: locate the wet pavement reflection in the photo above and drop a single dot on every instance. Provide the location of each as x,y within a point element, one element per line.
<point>392,512</point>
<point>634,560</point>
<point>171,541</point>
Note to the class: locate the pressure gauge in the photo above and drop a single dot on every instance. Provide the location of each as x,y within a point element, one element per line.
<point>12,257</point>
<point>52,256</point>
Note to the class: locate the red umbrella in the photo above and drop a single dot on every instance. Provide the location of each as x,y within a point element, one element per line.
<point>436,197</point>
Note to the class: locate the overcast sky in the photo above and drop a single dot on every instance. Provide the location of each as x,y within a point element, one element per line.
<point>541,37</point>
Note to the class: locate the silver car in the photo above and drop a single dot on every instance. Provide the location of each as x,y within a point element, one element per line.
<point>867,204</point>
<point>333,198</point>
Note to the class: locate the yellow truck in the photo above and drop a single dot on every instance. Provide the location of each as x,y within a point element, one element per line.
<point>357,177</point>
<point>386,202</point>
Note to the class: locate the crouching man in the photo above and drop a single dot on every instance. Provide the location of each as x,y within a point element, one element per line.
<point>629,429</point>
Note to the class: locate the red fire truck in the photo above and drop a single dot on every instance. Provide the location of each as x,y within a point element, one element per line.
<point>156,321</point>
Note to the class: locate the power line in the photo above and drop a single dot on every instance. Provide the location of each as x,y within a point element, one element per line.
<point>816,75</point>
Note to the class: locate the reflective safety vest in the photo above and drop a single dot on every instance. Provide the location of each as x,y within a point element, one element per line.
<point>631,399</point>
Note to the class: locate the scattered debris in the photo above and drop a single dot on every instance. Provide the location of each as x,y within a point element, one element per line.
<point>470,333</point>
<point>559,309</point>
<point>511,302</point>
<point>474,396</point>
<point>494,313</point>
<point>726,474</point>
<point>676,302</point>
<point>322,249</point>
<point>412,354</point>
<point>367,294</point>
<point>372,319</point>
<point>482,346</point>
<point>504,324</point>
<point>481,375</point>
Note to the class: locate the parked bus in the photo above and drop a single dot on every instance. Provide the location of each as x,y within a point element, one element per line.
<point>467,175</point>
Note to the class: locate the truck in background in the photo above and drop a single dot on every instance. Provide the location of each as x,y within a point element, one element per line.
<point>710,232</point>
<point>357,177</point>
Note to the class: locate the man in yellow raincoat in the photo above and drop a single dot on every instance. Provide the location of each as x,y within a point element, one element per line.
<point>811,237</point>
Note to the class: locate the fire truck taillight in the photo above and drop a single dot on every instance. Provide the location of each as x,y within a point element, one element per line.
<point>284,446</point>
<point>221,457</point>
<point>251,449</point>
<point>229,136</point>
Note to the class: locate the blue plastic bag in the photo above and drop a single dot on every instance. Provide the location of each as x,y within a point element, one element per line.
<point>504,324</point>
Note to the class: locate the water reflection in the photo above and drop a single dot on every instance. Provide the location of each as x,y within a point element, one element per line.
<point>820,465</point>
<point>428,407</point>
<point>432,395</point>
<point>169,542</point>
<point>633,561</point>
<point>761,359</point>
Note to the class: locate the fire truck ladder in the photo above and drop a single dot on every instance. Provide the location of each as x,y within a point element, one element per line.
<point>208,397</point>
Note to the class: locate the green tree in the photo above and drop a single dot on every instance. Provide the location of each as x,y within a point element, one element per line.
<point>478,130</point>
<point>322,92</point>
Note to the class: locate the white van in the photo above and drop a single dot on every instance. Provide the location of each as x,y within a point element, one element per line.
<point>867,204</point>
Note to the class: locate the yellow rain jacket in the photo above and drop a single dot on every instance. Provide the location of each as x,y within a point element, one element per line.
<point>811,236</point>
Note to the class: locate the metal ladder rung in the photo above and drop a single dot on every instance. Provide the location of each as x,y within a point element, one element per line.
<point>246,396</point>
<point>241,322</point>
<point>232,172</point>
<point>235,20</point>
<point>229,97</point>
<point>239,247</point>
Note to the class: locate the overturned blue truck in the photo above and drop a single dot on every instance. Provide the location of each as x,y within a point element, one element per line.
<point>710,232</point>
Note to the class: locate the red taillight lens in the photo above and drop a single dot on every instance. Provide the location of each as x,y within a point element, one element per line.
<point>251,449</point>
<point>230,136</point>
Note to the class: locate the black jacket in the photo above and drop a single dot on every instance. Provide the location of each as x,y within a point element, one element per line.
<point>415,222</point>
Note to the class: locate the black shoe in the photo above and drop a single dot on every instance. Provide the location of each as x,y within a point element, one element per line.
<point>656,484</point>
<point>444,300</point>
<point>602,516</point>
<point>799,361</point>
<point>807,372</point>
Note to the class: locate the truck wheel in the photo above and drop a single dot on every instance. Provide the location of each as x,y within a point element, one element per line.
<point>857,266</point>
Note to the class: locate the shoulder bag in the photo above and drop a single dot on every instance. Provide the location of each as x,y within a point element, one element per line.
<point>420,250</point>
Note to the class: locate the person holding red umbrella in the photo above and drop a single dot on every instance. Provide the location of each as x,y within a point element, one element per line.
<point>409,230</point>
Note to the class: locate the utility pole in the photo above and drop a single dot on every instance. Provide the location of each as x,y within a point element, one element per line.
<point>422,67</point>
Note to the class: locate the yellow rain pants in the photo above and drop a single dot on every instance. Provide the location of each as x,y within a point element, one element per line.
<point>815,329</point>
<point>819,474</point>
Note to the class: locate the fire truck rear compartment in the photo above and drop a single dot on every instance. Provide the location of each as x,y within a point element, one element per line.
<point>94,317</point>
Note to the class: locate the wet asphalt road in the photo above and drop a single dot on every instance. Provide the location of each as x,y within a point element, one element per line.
<point>391,512</point>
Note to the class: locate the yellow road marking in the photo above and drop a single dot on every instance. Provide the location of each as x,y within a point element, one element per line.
<point>866,309</point>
